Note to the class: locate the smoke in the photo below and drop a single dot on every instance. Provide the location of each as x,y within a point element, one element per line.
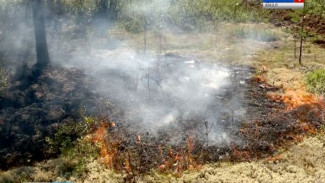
<point>157,92</point>
<point>162,93</point>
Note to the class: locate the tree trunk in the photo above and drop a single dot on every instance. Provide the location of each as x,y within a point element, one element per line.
<point>301,40</point>
<point>300,51</point>
<point>102,8</point>
<point>43,59</point>
<point>113,9</point>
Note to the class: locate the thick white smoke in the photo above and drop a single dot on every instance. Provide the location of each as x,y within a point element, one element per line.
<point>156,92</point>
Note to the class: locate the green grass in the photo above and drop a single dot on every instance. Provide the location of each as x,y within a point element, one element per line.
<point>315,81</point>
<point>254,33</point>
<point>78,152</point>
<point>185,14</point>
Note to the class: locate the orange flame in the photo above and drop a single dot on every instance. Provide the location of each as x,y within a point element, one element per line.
<point>306,103</point>
<point>296,98</point>
<point>180,161</point>
<point>293,99</point>
<point>107,151</point>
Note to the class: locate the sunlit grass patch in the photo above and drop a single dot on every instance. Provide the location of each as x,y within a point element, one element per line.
<point>315,81</point>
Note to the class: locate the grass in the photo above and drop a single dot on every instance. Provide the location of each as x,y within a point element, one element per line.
<point>315,81</point>
<point>186,14</point>
<point>254,33</point>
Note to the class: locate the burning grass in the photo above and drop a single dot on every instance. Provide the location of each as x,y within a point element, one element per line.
<point>277,120</point>
<point>135,156</point>
<point>287,117</point>
<point>270,122</point>
<point>273,120</point>
<point>296,98</point>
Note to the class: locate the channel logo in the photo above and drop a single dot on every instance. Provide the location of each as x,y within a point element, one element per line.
<point>283,4</point>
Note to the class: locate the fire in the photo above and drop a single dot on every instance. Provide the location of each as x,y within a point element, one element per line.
<point>107,151</point>
<point>306,106</point>
<point>296,98</point>
<point>181,160</point>
<point>176,159</point>
<point>293,99</point>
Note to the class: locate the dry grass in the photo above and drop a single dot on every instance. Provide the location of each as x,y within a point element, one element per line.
<point>220,45</point>
<point>224,47</point>
<point>283,68</point>
<point>304,162</point>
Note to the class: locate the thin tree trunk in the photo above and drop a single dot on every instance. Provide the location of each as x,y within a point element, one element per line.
<point>295,46</point>
<point>300,52</point>
<point>145,36</point>
<point>43,58</point>
<point>102,8</point>
<point>301,40</point>
<point>113,9</point>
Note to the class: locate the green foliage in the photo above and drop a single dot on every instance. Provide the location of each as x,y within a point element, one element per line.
<point>72,141</point>
<point>295,16</point>
<point>68,132</point>
<point>184,14</point>
<point>316,81</point>
<point>315,7</point>
<point>78,156</point>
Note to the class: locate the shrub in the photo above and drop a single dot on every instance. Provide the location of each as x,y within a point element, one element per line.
<point>315,81</point>
<point>71,140</point>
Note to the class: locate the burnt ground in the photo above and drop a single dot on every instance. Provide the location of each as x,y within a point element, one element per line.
<point>33,109</point>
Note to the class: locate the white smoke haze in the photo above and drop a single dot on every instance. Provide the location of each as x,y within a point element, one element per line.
<point>157,92</point>
<point>147,8</point>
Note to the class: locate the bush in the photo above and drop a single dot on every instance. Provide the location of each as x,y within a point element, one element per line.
<point>71,140</point>
<point>316,81</point>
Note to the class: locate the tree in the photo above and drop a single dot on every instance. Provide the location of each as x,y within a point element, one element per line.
<point>107,9</point>
<point>102,6</point>
<point>298,17</point>
<point>302,37</point>
<point>113,9</point>
<point>43,58</point>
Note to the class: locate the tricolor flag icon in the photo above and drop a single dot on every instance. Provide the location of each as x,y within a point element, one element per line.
<point>283,4</point>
